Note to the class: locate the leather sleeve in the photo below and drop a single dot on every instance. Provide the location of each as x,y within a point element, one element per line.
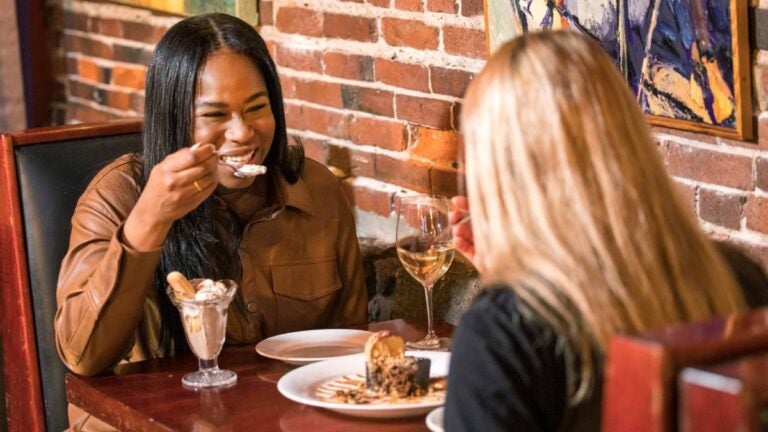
<point>352,308</point>
<point>102,283</point>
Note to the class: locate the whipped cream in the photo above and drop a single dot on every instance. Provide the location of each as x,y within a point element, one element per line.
<point>210,290</point>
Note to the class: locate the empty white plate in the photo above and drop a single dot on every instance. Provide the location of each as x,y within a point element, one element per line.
<point>300,348</point>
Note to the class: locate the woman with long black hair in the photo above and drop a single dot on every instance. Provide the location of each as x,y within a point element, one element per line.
<point>213,104</point>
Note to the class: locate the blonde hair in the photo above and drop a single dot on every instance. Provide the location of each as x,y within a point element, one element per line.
<point>571,205</point>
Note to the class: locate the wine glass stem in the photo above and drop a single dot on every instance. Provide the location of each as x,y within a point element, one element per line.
<point>428,297</point>
<point>208,365</point>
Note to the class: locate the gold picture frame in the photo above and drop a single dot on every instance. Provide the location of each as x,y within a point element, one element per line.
<point>245,9</point>
<point>688,63</point>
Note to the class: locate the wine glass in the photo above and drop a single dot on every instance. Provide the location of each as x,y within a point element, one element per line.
<point>424,247</point>
<point>204,318</point>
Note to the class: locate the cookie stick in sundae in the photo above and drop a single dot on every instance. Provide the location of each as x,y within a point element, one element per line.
<point>180,284</point>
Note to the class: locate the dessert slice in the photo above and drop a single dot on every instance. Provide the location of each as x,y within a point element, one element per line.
<point>389,371</point>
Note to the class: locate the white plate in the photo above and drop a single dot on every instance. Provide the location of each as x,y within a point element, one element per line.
<point>300,384</point>
<point>300,348</point>
<point>435,420</point>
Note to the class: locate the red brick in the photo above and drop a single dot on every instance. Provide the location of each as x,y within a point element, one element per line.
<point>402,75</point>
<point>299,20</point>
<point>439,146</point>
<point>287,85</point>
<point>293,116</point>
<point>352,161</point>
<point>348,66</point>
<point>368,100</point>
<point>445,6</point>
<point>406,173</point>
<point>319,92</point>
<point>756,211</point>
<point>325,122</point>
<point>464,42</point>
<point>88,70</point>
<point>445,181</point>
<point>762,173</point>
<point>82,90</point>
<point>75,21</point>
<point>409,5</point>
<point>379,3</point>
<point>107,27</point>
<point>299,59</point>
<point>132,54</point>
<point>710,167</point>
<point>456,116</point>
<point>77,112</point>
<point>266,17</point>
<point>401,32</point>
<point>142,32</point>
<point>129,76</point>
<point>452,82</point>
<point>423,111</point>
<point>471,7</point>
<point>720,208</point>
<point>350,27</point>
<point>368,199</point>
<point>137,102</point>
<point>120,100</point>
<point>762,132</point>
<point>761,86</point>
<point>95,48</point>
<point>314,149</point>
<point>378,132</point>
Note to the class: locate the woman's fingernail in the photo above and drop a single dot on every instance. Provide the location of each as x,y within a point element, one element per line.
<point>194,146</point>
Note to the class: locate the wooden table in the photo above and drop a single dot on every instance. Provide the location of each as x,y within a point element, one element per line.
<point>148,396</point>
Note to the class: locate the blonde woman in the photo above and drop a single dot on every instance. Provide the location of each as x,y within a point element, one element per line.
<point>578,234</point>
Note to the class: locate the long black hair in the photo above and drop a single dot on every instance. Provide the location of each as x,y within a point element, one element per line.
<point>192,246</point>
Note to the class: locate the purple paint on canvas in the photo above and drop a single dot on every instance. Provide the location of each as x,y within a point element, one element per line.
<point>690,41</point>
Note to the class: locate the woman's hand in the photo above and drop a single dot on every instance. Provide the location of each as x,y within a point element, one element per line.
<point>462,230</point>
<point>176,186</point>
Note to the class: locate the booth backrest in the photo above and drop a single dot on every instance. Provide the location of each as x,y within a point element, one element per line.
<point>42,174</point>
<point>640,392</point>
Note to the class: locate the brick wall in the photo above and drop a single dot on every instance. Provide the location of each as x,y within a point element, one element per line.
<point>372,87</point>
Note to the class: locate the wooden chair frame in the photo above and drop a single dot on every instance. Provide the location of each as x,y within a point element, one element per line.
<point>23,386</point>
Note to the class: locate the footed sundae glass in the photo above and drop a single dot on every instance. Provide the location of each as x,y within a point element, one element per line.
<point>204,317</point>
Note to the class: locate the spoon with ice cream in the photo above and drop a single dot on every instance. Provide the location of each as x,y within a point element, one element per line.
<point>242,170</point>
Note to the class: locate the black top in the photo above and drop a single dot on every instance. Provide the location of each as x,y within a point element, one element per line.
<point>508,367</point>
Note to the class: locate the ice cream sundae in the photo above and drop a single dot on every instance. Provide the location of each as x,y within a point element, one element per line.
<point>203,305</point>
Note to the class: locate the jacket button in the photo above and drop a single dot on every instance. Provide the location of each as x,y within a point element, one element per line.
<point>252,307</point>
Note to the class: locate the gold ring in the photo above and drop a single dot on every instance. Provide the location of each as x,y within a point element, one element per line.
<point>197,186</point>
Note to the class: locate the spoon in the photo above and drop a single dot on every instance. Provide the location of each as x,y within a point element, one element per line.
<point>248,170</point>
<point>244,170</point>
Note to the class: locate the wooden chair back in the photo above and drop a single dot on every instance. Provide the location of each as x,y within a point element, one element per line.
<point>640,392</point>
<point>42,174</point>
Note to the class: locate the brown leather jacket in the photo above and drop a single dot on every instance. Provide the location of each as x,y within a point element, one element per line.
<point>300,259</point>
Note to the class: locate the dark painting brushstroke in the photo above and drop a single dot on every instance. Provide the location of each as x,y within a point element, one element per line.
<point>677,55</point>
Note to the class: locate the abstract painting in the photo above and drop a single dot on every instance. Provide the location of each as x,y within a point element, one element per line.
<point>686,61</point>
<point>245,9</point>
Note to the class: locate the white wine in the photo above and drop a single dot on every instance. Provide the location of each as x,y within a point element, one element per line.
<point>427,265</point>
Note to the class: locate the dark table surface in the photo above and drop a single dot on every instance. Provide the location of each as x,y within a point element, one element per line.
<point>148,395</point>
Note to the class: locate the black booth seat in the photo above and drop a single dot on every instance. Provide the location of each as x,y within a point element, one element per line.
<point>42,174</point>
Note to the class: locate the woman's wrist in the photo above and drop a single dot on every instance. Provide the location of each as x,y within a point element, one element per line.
<point>143,232</point>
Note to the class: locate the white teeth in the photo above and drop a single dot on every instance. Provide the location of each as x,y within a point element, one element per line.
<point>237,159</point>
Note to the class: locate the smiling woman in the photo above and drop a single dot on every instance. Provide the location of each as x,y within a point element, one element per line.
<point>213,105</point>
